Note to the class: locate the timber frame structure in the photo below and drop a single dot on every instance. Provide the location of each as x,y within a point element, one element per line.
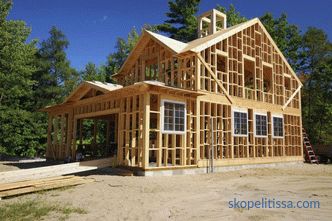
<point>229,96</point>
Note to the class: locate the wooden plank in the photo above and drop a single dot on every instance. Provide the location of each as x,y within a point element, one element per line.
<point>146,129</point>
<point>69,133</point>
<point>49,135</point>
<point>45,186</point>
<point>19,184</point>
<point>98,113</point>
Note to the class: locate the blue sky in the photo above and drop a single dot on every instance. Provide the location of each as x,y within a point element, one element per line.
<point>92,26</point>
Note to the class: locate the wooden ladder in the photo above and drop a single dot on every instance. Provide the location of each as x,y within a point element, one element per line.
<point>310,156</point>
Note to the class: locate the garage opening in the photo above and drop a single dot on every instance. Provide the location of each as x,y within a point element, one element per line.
<point>97,137</point>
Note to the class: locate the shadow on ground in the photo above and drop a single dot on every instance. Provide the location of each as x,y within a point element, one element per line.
<point>28,165</point>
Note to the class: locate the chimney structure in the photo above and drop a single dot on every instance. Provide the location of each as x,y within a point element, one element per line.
<point>211,22</point>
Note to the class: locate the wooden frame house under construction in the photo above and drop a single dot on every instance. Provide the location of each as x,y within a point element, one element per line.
<point>229,97</point>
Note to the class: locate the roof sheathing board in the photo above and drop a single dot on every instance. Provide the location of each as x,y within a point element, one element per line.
<point>172,45</point>
<point>87,85</point>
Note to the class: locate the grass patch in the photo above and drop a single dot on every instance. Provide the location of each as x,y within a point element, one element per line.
<point>36,210</point>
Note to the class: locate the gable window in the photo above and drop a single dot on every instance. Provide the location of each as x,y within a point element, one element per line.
<point>278,126</point>
<point>240,123</point>
<point>261,125</point>
<point>173,117</point>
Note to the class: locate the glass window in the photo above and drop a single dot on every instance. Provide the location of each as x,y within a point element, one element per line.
<point>278,127</point>
<point>261,125</point>
<point>240,123</point>
<point>174,117</point>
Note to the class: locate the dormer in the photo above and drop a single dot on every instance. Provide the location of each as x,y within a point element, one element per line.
<point>211,22</point>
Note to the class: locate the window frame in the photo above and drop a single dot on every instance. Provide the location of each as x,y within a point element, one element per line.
<point>239,110</point>
<point>267,123</point>
<point>162,117</point>
<point>272,123</point>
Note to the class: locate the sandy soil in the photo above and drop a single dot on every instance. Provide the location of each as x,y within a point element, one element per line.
<point>4,166</point>
<point>199,197</point>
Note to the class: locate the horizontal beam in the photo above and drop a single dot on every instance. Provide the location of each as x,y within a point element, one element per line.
<point>98,113</point>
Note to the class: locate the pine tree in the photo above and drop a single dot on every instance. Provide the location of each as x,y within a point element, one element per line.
<point>233,17</point>
<point>55,77</point>
<point>123,48</point>
<point>316,66</point>
<point>20,133</point>
<point>287,37</point>
<point>182,22</point>
<point>93,73</point>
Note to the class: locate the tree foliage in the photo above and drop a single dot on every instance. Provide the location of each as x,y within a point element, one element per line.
<point>30,78</point>
<point>233,17</point>
<point>316,69</point>
<point>182,22</point>
<point>19,133</point>
<point>55,77</point>
<point>123,48</point>
<point>287,36</point>
<point>93,73</point>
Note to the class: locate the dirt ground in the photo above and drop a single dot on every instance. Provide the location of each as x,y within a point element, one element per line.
<point>198,197</point>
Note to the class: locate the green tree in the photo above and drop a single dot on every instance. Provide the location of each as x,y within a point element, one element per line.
<point>287,36</point>
<point>20,133</point>
<point>123,48</point>
<point>182,22</point>
<point>55,77</point>
<point>93,73</point>
<point>233,17</point>
<point>316,66</point>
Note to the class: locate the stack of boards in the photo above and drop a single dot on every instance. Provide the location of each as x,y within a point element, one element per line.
<point>30,186</point>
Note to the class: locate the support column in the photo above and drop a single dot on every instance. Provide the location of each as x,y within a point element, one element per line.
<point>198,132</point>
<point>94,134</point>
<point>146,130</point>
<point>56,141</point>
<point>107,133</point>
<point>69,133</point>
<point>301,126</point>
<point>80,131</point>
<point>49,135</point>
<point>73,151</point>
<point>63,133</point>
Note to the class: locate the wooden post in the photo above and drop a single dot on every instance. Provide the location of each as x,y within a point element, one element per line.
<point>301,126</point>
<point>173,149</point>
<point>73,151</point>
<point>108,132</point>
<point>56,137</point>
<point>133,132</point>
<point>69,133</point>
<point>159,135</point>
<point>197,128</point>
<point>146,130</point>
<point>80,130</point>
<point>49,135</point>
<point>94,134</point>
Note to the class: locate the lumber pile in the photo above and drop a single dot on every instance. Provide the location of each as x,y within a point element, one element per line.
<point>55,170</point>
<point>30,186</point>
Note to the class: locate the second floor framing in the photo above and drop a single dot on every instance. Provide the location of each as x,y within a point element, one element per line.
<point>238,62</point>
